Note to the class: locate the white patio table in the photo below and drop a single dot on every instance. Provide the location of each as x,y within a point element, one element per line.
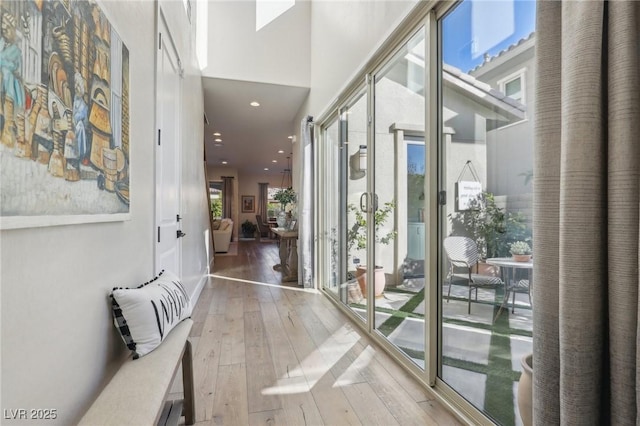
<point>508,268</point>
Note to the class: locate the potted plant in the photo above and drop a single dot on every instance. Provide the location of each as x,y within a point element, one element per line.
<point>248,228</point>
<point>357,238</point>
<point>525,390</point>
<point>520,251</point>
<point>285,197</point>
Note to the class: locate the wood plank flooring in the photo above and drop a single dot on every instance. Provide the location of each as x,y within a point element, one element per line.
<point>268,354</point>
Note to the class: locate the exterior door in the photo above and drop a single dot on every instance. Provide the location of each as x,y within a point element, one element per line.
<point>168,171</point>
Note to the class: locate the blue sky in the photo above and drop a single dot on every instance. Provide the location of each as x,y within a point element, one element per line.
<point>480,26</point>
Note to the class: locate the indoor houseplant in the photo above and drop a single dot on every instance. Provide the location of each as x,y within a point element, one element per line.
<point>285,197</point>
<point>357,238</point>
<point>248,228</point>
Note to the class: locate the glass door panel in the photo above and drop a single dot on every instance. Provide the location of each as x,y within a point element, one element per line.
<point>330,208</point>
<point>399,201</point>
<point>353,146</point>
<point>486,166</point>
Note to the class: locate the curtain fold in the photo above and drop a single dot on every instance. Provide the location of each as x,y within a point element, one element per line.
<point>263,199</point>
<point>305,204</point>
<point>587,213</point>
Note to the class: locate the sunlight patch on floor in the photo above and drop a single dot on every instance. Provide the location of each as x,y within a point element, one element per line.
<point>352,374</point>
<point>304,290</point>
<point>315,365</point>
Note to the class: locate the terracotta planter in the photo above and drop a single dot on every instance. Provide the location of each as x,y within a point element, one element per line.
<point>521,257</point>
<point>525,390</point>
<point>379,279</point>
<point>484,268</point>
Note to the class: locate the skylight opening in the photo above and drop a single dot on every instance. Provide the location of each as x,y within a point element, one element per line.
<point>202,33</point>
<point>268,10</point>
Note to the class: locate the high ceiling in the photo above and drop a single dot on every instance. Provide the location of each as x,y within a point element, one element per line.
<point>251,136</point>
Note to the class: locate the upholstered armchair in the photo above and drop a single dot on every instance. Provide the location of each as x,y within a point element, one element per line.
<point>222,236</point>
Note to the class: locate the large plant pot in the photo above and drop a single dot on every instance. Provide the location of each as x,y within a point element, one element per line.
<point>379,280</point>
<point>484,268</point>
<point>521,257</point>
<point>525,390</point>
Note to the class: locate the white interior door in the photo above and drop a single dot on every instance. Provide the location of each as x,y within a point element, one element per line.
<point>168,171</point>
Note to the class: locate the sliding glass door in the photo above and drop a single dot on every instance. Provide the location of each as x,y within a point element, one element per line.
<point>344,187</point>
<point>374,229</point>
<point>430,158</point>
<point>486,163</point>
<point>399,198</point>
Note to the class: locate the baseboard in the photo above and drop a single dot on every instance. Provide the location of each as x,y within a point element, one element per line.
<point>196,294</point>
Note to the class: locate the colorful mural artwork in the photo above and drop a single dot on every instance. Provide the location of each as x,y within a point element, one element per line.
<point>64,114</point>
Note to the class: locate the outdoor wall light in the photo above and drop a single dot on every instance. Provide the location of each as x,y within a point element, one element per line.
<point>358,163</point>
<point>362,153</point>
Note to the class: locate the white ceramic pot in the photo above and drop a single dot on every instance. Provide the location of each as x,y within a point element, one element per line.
<point>525,390</point>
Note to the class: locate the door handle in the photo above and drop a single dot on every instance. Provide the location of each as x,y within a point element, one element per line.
<point>364,206</point>
<point>180,234</point>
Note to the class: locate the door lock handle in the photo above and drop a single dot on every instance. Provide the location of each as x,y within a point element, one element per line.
<point>180,234</point>
<point>364,202</point>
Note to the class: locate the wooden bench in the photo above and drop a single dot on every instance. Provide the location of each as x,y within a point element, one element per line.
<point>137,394</point>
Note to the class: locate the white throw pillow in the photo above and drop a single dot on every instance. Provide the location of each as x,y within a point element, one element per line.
<point>146,314</point>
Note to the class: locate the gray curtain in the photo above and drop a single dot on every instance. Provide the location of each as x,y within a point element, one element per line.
<point>305,204</point>
<point>586,213</point>
<point>263,199</point>
<point>227,196</point>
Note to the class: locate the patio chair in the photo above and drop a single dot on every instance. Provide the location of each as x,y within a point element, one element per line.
<point>462,253</point>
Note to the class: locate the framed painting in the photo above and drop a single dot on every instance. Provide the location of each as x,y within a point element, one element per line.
<point>248,204</point>
<point>64,115</point>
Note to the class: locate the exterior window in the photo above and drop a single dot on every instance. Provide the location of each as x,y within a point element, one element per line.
<point>513,86</point>
<point>513,89</point>
<point>273,206</point>
<point>216,199</point>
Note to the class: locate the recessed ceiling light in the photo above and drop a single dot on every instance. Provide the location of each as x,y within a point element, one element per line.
<point>224,162</point>
<point>217,134</point>
<point>280,151</point>
<point>266,168</point>
<point>274,161</point>
<point>290,137</point>
<point>218,144</point>
<point>217,140</point>
<point>255,104</point>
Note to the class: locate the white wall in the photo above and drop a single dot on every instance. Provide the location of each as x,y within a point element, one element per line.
<point>278,53</point>
<point>344,35</point>
<point>59,345</point>
<point>510,148</point>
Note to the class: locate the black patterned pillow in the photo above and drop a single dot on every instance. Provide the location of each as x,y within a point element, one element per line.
<point>146,314</point>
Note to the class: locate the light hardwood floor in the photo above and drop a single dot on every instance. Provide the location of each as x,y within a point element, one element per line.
<point>266,354</point>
